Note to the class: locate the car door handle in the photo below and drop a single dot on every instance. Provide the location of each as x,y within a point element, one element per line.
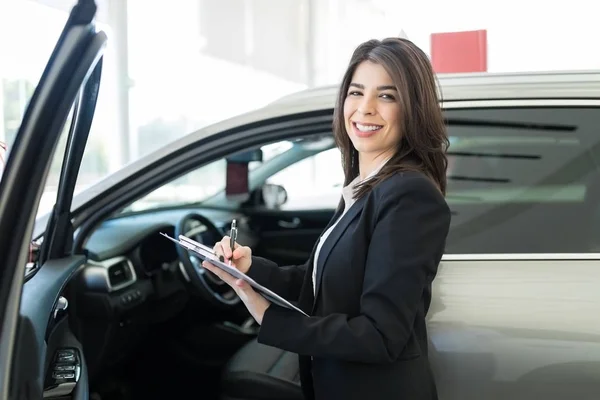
<point>294,223</point>
<point>61,305</point>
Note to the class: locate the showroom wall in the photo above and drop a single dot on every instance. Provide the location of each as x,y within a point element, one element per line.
<point>175,66</point>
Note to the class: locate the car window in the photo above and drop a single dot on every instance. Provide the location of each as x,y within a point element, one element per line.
<point>313,183</point>
<point>520,180</point>
<point>49,193</point>
<point>524,180</point>
<point>199,184</point>
<point>189,188</point>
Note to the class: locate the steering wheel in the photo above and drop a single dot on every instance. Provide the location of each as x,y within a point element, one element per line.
<point>207,284</point>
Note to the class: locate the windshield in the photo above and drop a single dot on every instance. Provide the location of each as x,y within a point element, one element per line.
<point>200,184</point>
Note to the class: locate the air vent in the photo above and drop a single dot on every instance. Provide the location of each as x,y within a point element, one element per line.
<point>119,275</point>
<point>109,275</point>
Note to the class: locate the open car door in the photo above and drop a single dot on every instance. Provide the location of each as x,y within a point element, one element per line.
<point>39,355</point>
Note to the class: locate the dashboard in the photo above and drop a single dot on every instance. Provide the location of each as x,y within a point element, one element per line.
<point>117,236</point>
<point>133,278</point>
<point>125,250</point>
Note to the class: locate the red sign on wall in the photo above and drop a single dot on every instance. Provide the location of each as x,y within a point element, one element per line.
<point>459,51</point>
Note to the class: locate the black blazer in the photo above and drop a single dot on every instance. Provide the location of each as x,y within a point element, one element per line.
<point>366,337</point>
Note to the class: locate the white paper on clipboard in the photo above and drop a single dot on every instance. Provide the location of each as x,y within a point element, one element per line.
<point>207,254</point>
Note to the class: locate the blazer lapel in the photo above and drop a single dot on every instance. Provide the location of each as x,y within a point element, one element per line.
<point>333,238</point>
<point>307,296</point>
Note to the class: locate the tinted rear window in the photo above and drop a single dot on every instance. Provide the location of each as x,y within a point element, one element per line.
<point>524,180</point>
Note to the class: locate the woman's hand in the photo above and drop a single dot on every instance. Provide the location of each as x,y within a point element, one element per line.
<point>240,257</point>
<point>255,303</point>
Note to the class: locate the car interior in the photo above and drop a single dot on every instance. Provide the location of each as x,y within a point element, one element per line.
<point>153,323</point>
<point>111,306</point>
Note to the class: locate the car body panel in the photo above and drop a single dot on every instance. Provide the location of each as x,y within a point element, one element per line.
<point>516,327</point>
<point>480,86</point>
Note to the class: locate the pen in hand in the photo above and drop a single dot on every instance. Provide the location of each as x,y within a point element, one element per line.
<point>232,238</point>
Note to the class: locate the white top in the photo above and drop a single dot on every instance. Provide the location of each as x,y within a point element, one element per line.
<point>347,193</point>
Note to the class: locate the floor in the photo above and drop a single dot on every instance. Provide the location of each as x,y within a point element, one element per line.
<point>158,375</point>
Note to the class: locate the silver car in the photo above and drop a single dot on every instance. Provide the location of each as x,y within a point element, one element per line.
<point>107,305</point>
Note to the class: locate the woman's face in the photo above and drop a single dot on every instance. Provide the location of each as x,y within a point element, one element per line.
<point>372,111</point>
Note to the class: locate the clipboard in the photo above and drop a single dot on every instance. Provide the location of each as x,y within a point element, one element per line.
<point>207,254</point>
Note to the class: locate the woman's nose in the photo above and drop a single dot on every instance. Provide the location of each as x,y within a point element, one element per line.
<point>366,106</point>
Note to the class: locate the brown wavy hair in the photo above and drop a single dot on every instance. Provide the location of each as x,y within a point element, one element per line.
<point>424,139</point>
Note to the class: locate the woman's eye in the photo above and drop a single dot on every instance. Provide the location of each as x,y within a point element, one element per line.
<point>388,96</point>
<point>354,93</point>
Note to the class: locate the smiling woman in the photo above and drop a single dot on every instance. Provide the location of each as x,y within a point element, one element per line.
<point>372,113</point>
<point>365,336</point>
<point>388,110</point>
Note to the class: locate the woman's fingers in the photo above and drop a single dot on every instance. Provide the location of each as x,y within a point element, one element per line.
<point>241,251</point>
<point>227,278</point>
<point>243,289</point>
<point>241,257</point>
<point>218,250</point>
<point>254,302</point>
<point>225,245</point>
<point>223,249</point>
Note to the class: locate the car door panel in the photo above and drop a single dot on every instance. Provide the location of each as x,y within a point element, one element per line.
<point>517,329</point>
<point>288,237</point>
<point>515,301</point>
<point>70,81</point>
<point>61,340</point>
<point>40,324</point>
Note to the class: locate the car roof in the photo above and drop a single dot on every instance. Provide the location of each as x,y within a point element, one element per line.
<point>480,86</point>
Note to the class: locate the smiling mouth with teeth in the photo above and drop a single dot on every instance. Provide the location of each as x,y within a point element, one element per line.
<point>367,128</point>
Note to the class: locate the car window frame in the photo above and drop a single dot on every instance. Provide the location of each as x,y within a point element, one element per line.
<point>325,115</point>
<point>201,147</point>
<point>524,103</point>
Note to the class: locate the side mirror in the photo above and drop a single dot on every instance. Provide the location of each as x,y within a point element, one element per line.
<point>273,195</point>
